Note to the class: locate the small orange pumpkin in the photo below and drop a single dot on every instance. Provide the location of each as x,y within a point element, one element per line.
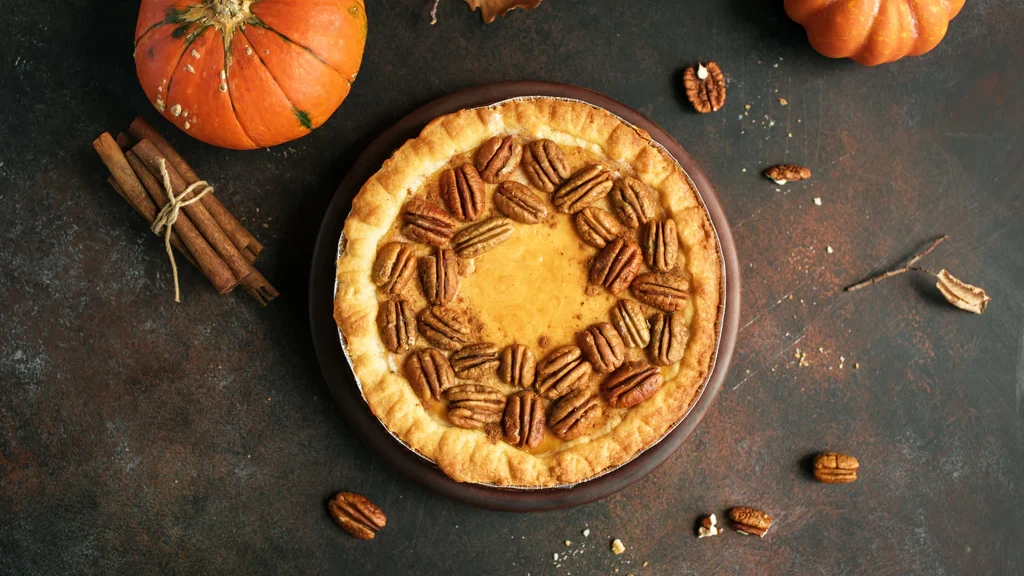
<point>873,32</point>
<point>248,73</point>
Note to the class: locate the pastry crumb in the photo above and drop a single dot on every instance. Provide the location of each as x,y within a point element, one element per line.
<point>708,527</point>
<point>828,249</point>
<point>783,101</point>
<point>617,546</point>
<point>586,532</point>
<point>817,201</point>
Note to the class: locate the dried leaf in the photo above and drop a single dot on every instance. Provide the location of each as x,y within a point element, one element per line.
<point>491,9</point>
<point>961,295</point>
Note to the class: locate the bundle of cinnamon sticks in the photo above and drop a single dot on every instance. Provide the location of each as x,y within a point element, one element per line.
<point>205,233</point>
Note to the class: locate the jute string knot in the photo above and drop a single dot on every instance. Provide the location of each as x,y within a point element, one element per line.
<point>168,215</point>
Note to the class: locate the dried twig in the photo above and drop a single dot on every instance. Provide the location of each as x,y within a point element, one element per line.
<point>908,267</point>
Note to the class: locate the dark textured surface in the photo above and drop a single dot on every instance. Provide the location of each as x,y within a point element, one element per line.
<point>137,436</point>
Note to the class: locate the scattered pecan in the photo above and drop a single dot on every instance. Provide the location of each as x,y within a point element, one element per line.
<point>750,521</point>
<point>517,366</point>
<point>475,239</point>
<point>429,373</point>
<point>597,227</point>
<point>633,202</point>
<point>394,267</point>
<point>669,336</point>
<point>444,327</point>
<point>575,414</point>
<point>708,527</point>
<point>705,87</point>
<point>355,514</point>
<point>523,421</point>
<point>545,165</point>
<point>631,384</point>
<point>462,190</point>
<point>518,203</point>
<point>439,276</point>
<point>616,265</point>
<point>563,370</point>
<point>628,318</point>
<point>783,173</point>
<point>603,347</point>
<point>474,405</point>
<point>586,187</point>
<point>474,361</point>
<point>835,468</point>
<point>666,290</point>
<point>660,243</point>
<point>397,325</point>
<point>427,222</point>
<point>497,158</point>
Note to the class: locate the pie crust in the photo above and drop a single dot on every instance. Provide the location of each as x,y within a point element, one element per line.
<point>532,289</point>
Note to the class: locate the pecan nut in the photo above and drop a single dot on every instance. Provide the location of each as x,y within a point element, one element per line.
<point>517,366</point>
<point>517,202</point>
<point>575,414</point>
<point>562,371</point>
<point>583,189</point>
<point>633,202</point>
<point>750,521</point>
<point>597,227</point>
<point>523,421</point>
<point>705,87</point>
<point>478,238</point>
<point>429,373</point>
<point>545,165</point>
<point>835,468</point>
<point>660,243</point>
<point>355,514</point>
<point>396,322</point>
<point>462,190</point>
<point>783,173</point>
<point>628,318</point>
<point>603,347</point>
<point>498,158</point>
<point>669,336</point>
<point>668,291</point>
<point>474,361</point>
<point>439,276</point>
<point>616,265</point>
<point>444,327</point>
<point>394,267</point>
<point>474,405</point>
<point>427,222</point>
<point>631,385</point>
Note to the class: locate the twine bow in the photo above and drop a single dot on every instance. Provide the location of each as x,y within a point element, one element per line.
<point>168,215</point>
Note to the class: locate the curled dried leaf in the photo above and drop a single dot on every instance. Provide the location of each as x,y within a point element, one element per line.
<point>491,9</point>
<point>962,295</point>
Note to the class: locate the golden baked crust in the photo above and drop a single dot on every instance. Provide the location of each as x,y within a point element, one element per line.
<point>472,455</point>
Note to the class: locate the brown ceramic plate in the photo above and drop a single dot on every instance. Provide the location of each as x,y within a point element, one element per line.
<point>338,373</point>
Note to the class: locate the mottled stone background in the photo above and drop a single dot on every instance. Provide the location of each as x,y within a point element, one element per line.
<point>141,437</point>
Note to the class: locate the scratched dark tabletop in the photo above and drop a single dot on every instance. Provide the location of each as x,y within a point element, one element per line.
<point>142,437</point>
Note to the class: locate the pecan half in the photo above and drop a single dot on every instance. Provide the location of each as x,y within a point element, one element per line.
<point>355,514</point>
<point>439,276</point>
<point>394,267</point>
<point>497,158</point>
<point>429,373</point>
<point>633,202</point>
<point>750,521</point>
<point>660,243</point>
<point>628,318</point>
<point>586,187</point>
<point>597,227</point>
<point>835,468</point>
<point>478,238</point>
<point>631,385</point>
<point>462,190</point>
<point>474,361</point>
<point>705,87</point>
<point>517,366</point>
<point>444,327</point>
<point>397,325</point>
<point>669,335</point>
<point>783,173</point>
<point>616,265</point>
<point>603,347</point>
<point>575,414</point>
<point>517,202</point>
<point>523,421</point>
<point>562,371</point>
<point>474,405</point>
<point>545,165</point>
<point>666,290</point>
<point>427,222</point>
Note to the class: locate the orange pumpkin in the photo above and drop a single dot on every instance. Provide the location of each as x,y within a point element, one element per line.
<point>874,31</point>
<point>248,73</point>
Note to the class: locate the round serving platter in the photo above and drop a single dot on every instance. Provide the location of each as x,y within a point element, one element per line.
<point>338,373</point>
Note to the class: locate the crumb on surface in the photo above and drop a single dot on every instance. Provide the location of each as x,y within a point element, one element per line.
<point>617,546</point>
<point>817,201</point>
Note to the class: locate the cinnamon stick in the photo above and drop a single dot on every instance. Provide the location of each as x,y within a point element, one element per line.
<point>148,212</point>
<point>240,237</point>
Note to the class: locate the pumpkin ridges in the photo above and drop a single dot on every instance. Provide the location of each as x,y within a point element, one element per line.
<point>345,18</point>
<point>306,48</point>
<point>931,28</point>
